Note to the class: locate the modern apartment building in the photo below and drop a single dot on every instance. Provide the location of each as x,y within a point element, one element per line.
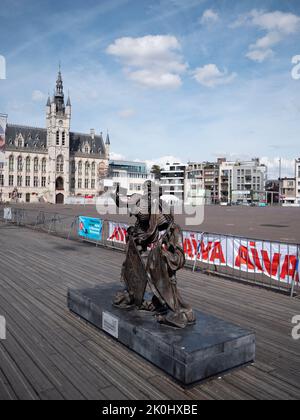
<point>288,191</point>
<point>211,181</point>
<point>202,181</point>
<point>129,176</point>
<point>242,181</point>
<point>194,189</point>
<point>172,179</point>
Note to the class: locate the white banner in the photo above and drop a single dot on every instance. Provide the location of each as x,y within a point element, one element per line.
<point>7,213</point>
<point>278,261</point>
<point>117,232</point>
<point>79,201</point>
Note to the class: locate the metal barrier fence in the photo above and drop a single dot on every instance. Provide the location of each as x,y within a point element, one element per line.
<point>211,253</point>
<point>274,265</point>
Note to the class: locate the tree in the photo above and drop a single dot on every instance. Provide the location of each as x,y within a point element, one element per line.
<point>156,170</point>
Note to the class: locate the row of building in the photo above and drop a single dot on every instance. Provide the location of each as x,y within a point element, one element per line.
<point>218,182</point>
<point>56,165</point>
<point>289,188</point>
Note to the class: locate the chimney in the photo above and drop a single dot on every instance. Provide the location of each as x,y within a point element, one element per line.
<point>93,133</point>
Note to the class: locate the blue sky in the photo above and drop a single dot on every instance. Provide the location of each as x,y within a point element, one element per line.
<point>193,79</point>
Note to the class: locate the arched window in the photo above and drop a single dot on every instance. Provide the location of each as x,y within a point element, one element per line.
<point>57,138</point>
<point>28,164</point>
<point>63,138</point>
<point>11,163</point>
<point>93,169</point>
<point>60,164</point>
<point>80,168</point>
<point>36,164</point>
<point>87,169</point>
<point>20,164</point>
<point>44,165</point>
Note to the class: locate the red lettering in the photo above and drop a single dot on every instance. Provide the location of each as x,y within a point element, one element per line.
<point>188,248</point>
<point>256,259</point>
<point>205,250</point>
<point>217,253</point>
<point>119,234</point>
<point>289,267</point>
<point>243,258</point>
<point>271,267</point>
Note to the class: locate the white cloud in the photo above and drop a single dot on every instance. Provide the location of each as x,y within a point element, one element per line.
<point>152,61</point>
<point>38,96</point>
<point>260,55</point>
<point>156,79</point>
<point>287,23</point>
<point>126,113</point>
<point>278,26</point>
<point>209,16</point>
<point>271,39</point>
<point>162,161</point>
<point>287,167</point>
<point>117,156</point>
<point>210,76</point>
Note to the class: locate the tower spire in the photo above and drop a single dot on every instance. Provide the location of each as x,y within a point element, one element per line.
<point>49,100</point>
<point>59,98</point>
<point>59,83</point>
<point>69,99</point>
<point>107,139</point>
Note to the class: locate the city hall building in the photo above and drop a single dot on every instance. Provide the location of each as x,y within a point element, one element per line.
<point>52,164</point>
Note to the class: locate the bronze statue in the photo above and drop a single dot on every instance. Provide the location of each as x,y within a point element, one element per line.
<point>154,255</point>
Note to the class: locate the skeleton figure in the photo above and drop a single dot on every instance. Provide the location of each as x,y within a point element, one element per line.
<point>154,255</point>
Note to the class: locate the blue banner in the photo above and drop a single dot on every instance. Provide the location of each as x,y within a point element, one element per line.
<point>90,228</point>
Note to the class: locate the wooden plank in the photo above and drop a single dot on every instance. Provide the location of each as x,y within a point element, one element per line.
<point>51,354</point>
<point>17,381</point>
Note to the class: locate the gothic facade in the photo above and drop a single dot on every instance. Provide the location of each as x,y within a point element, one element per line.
<point>53,164</point>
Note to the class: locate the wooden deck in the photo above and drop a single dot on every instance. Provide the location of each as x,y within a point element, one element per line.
<point>50,354</point>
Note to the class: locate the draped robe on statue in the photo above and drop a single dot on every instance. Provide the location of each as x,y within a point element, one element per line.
<point>154,255</point>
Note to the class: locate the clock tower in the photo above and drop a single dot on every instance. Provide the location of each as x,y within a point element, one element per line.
<point>58,122</point>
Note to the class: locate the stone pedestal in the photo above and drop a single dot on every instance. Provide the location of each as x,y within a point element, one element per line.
<point>209,348</point>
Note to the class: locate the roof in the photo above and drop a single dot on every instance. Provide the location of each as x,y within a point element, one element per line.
<point>78,141</point>
<point>36,138</point>
<point>126,163</point>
